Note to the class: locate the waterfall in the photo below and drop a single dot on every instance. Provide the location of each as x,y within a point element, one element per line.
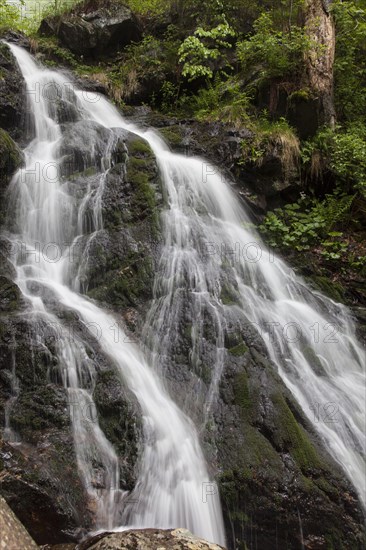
<point>211,246</point>
<point>45,217</point>
<point>214,264</point>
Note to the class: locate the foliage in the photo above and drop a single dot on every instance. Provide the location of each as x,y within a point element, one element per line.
<point>139,61</point>
<point>348,159</point>
<point>203,47</point>
<point>222,100</point>
<point>268,135</point>
<point>310,222</point>
<point>278,53</point>
<point>149,7</point>
<point>343,152</point>
<point>349,68</point>
<point>10,15</point>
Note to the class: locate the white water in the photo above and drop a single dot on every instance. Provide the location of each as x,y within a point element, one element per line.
<point>173,476</point>
<point>206,253</point>
<point>310,338</point>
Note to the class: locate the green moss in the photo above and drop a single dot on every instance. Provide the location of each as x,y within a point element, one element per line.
<point>293,437</point>
<point>332,289</point>
<point>242,394</point>
<point>90,171</point>
<point>130,283</point>
<point>188,331</point>
<point>141,171</point>
<point>238,350</point>
<point>10,155</point>
<point>139,147</point>
<point>204,372</point>
<point>55,53</point>
<point>228,296</point>
<point>10,295</point>
<point>303,95</point>
<point>326,487</point>
<point>172,135</point>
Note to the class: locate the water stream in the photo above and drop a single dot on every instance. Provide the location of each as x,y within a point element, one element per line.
<point>210,251</point>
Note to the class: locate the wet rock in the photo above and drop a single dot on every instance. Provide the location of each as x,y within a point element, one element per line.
<point>274,469</point>
<point>94,32</point>
<point>39,476</point>
<point>262,185</point>
<point>11,158</point>
<point>12,94</point>
<point>16,37</point>
<point>10,295</point>
<point>83,146</point>
<point>121,270</point>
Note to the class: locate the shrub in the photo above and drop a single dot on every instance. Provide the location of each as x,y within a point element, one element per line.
<point>278,53</point>
<point>199,50</point>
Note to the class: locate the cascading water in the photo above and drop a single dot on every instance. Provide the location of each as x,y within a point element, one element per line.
<point>208,251</point>
<point>173,473</point>
<point>209,254</point>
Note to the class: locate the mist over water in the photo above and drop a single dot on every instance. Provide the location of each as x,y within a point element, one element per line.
<point>210,250</point>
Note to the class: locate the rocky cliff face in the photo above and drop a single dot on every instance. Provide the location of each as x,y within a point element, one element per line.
<point>279,486</point>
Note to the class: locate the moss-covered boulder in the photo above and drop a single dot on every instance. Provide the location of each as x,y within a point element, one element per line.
<point>12,93</point>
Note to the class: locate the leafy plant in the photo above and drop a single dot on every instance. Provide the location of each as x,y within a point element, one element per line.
<point>277,53</point>
<point>10,14</point>
<point>349,67</point>
<point>310,222</point>
<point>343,152</point>
<point>199,50</point>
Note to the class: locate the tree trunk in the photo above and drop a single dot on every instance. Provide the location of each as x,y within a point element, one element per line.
<point>320,60</point>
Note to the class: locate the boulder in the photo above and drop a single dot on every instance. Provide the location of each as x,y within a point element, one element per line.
<point>92,33</point>
<point>149,539</point>
<point>13,534</point>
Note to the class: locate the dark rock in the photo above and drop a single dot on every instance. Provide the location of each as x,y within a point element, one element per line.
<point>274,469</point>
<point>93,33</point>
<point>121,271</point>
<point>10,295</point>
<point>11,158</point>
<point>83,146</point>
<point>12,94</point>
<point>263,185</point>
<point>17,38</point>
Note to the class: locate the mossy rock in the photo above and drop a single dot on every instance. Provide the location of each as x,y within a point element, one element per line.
<point>238,350</point>
<point>10,296</point>
<point>173,135</point>
<point>12,96</point>
<point>228,296</point>
<point>120,421</point>
<point>38,410</point>
<point>334,290</point>
<point>11,158</point>
<point>291,437</point>
<point>126,286</point>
